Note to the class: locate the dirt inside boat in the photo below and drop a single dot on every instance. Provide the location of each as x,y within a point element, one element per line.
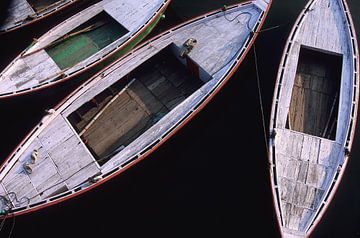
<point>85,40</point>
<point>117,116</point>
<point>315,96</point>
<point>39,5</point>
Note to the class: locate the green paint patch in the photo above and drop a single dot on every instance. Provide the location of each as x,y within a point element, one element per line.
<point>85,40</point>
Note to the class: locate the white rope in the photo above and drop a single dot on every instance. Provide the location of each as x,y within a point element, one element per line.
<point>260,99</point>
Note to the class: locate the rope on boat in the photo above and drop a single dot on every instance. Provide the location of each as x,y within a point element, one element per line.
<point>260,98</point>
<point>256,63</point>
<point>248,21</point>
<point>11,200</point>
<point>8,204</point>
<point>236,17</point>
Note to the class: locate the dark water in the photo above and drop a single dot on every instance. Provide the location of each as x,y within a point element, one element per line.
<point>210,179</point>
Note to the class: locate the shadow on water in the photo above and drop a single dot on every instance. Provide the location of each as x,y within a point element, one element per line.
<point>211,178</point>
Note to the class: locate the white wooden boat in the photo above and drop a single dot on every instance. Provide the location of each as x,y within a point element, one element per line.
<point>81,42</point>
<point>21,13</point>
<point>126,111</point>
<point>313,115</point>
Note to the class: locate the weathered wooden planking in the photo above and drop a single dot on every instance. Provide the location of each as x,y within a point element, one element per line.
<point>26,72</point>
<point>201,52</point>
<point>147,97</point>
<point>114,73</point>
<point>59,128</point>
<point>305,167</point>
<point>218,33</point>
<point>102,83</point>
<point>19,182</point>
<point>128,13</point>
<point>66,26</point>
<point>63,145</point>
<point>62,163</point>
<point>323,29</point>
<point>111,129</point>
<point>45,176</point>
<point>40,76</point>
<point>2,193</point>
<point>143,14</point>
<point>17,11</point>
<point>305,182</point>
<point>21,13</point>
<point>68,152</point>
<point>312,99</point>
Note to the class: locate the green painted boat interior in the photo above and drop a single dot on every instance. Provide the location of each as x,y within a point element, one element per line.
<point>39,5</point>
<point>85,40</point>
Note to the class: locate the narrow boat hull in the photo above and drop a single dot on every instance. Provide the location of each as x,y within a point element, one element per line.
<point>21,14</point>
<point>122,114</point>
<point>78,45</point>
<point>313,115</point>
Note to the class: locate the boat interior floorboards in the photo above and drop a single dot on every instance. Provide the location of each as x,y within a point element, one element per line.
<point>118,115</point>
<point>315,96</point>
<point>85,40</point>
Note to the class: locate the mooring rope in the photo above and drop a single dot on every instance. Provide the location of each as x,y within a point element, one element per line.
<point>260,98</point>
<point>270,28</point>
<point>236,17</point>
<point>12,227</point>
<point>256,64</point>
<point>6,214</point>
<point>3,221</point>
<point>7,206</point>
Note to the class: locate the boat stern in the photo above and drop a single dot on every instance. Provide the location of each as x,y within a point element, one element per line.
<point>287,233</point>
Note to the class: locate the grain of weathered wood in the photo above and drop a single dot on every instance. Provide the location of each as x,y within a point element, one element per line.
<point>143,15</point>
<point>148,96</point>
<point>164,96</point>
<point>306,155</point>
<point>21,13</point>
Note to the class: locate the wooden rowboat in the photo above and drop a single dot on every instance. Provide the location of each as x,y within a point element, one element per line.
<point>21,13</point>
<point>126,111</point>
<point>81,42</point>
<point>313,115</point>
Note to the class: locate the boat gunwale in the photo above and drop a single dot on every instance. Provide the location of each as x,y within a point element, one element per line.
<point>335,182</point>
<point>153,146</point>
<point>353,119</point>
<point>60,77</point>
<point>50,12</point>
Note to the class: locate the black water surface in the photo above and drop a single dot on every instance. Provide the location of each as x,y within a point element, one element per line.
<point>210,179</point>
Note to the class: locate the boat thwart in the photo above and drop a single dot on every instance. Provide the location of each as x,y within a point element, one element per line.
<point>313,115</point>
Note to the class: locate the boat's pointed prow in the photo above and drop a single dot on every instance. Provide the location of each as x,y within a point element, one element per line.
<point>21,13</point>
<point>129,109</point>
<point>313,114</point>
<point>288,233</point>
<point>85,42</point>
